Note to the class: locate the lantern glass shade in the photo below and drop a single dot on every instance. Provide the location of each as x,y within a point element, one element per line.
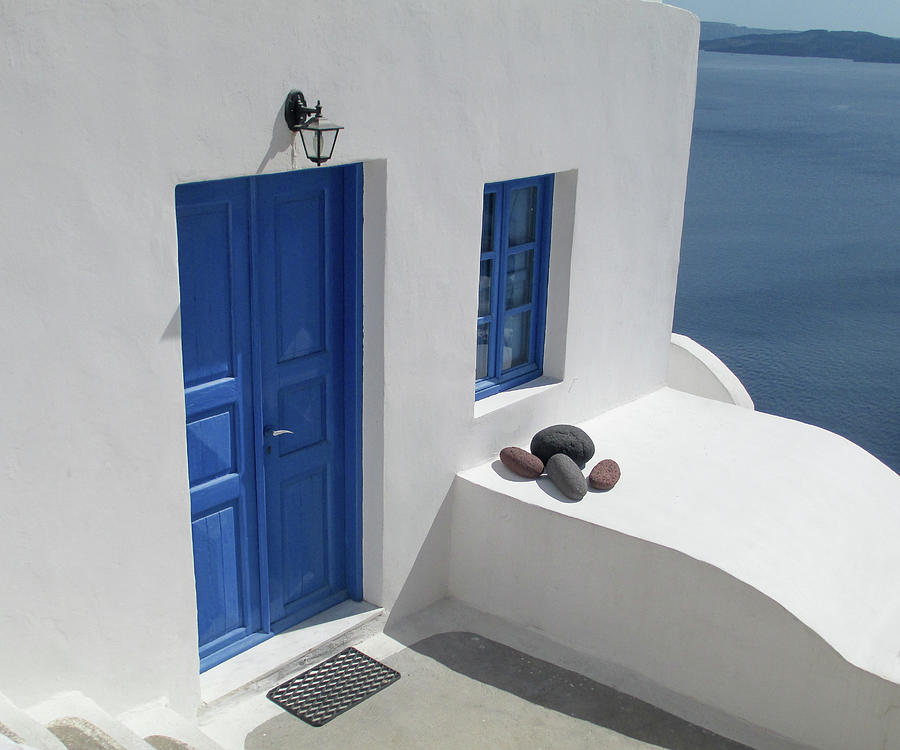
<point>319,136</point>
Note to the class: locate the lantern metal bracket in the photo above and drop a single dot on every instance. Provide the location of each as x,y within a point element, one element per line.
<point>296,113</point>
<point>318,135</point>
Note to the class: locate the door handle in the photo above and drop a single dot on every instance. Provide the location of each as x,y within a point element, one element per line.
<point>273,432</point>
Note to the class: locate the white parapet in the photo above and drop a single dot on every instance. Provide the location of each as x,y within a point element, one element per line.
<point>695,369</point>
<point>744,566</point>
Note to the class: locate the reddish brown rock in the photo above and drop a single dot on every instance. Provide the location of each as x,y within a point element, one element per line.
<point>522,462</point>
<point>605,475</point>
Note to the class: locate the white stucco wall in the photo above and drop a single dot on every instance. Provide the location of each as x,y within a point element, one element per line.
<point>107,106</point>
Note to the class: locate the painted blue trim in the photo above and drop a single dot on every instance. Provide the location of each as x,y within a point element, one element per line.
<point>233,649</point>
<point>496,256</point>
<point>259,421</point>
<point>498,288</point>
<point>498,379</point>
<point>353,374</point>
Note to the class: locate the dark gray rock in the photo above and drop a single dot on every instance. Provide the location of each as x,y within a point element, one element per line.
<point>521,462</point>
<point>566,475</point>
<point>605,475</point>
<point>563,438</point>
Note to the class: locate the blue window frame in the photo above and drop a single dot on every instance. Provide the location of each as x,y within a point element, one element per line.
<point>512,286</point>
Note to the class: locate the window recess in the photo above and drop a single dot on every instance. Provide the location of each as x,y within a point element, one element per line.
<point>512,285</point>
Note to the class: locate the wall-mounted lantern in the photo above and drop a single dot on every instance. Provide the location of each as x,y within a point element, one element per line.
<point>317,133</point>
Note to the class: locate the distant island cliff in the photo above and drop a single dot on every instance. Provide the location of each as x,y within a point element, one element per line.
<point>860,46</point>
<point>716,30</point>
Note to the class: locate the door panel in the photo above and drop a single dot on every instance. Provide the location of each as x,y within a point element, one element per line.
<point>209,230</point>
<point>210,446</point>
<point>299,243</point>
<point>304,524</point>
<point>270,339</point>
<point>217,572</point>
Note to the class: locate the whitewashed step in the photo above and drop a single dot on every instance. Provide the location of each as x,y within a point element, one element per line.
<point>81,724</point>
<point>164,729</point>
<point>164,742</point>
<point>80,734</point>
<point>19,727</point>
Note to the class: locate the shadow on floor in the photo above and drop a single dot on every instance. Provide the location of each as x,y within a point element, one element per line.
<point>567,692</point>
<point>461,691</point>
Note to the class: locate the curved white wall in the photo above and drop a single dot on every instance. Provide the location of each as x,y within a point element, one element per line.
<point>108,106</point>
<point>695,369</point>
<point>669,629</point>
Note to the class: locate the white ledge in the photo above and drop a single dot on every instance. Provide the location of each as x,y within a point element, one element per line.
<point>503,399</point>
<point>804,516</point>
<point>744,562</point>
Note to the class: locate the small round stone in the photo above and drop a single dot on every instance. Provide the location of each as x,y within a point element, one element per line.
<point>605,475</point>
<point>566,475</point>
<point>563,438</point>
<point>521,462</point>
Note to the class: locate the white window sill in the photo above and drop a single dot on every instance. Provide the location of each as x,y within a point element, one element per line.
<point>514,395</point>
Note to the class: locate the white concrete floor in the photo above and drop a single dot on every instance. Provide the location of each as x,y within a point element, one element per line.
<point>462,690</point>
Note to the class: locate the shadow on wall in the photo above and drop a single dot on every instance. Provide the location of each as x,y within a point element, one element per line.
<point>545,684</point>
<point>428,579</point>
<point>282,138</point>
<point>173,329</point>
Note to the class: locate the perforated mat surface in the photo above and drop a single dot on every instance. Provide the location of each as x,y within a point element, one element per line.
<point>332,687</point>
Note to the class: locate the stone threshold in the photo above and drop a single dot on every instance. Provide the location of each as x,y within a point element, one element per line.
<point>284,654</point>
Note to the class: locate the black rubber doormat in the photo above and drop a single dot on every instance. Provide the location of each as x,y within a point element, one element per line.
<point>334,686</point>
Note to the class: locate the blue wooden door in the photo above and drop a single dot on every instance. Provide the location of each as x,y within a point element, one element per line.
<point>300,227</point>
<point>214,268</point>
<point>269,272</point>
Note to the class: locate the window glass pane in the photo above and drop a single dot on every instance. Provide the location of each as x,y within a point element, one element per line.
<point>516,338</point>
<point>522,210</point>
<point>481,350</point>
<point>518,279</point>
<point>487,223</point>
<point>484,289</point>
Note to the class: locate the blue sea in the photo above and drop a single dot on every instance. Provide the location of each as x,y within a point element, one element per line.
<point>790,256</point>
